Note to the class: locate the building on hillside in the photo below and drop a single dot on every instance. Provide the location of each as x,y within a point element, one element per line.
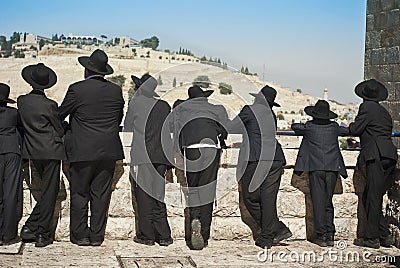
<point>325,95</point>
<point>81,39</point>
<point>126,41</point>
<point>26,41</point>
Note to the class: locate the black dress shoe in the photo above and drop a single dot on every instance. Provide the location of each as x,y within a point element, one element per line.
<point>80,242</point>
<point>387,241</point>
<point>165,242</point>
<point>320,241</point>
<point>372,243</point>
<point>358,242</point>
<point>15,240</point>
<point>95,243</point>
<point>196,237</point>
<point>283,234</point>
<point>330,240</point>
<point>27,234</point>
<point>42,241</point>
<point>264,243</point>
<point>146,242</point>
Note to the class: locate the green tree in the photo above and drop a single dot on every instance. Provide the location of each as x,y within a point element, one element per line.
<point>41,44</point>
<point>118,79</point>
<point>225,88</point>
<point>280,117</point>
<point>151,42</point>
<point>174,82</point>
<point>246,70</point>
<point>15,38</point>
<point>202,81</point>
<point>298,90</point>
<point>117,40</point>
<point>19,54</point>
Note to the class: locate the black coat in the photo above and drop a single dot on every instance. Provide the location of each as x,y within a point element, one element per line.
<point>10,127</point>
<point>43,131</point>
<point>196,120</point>
<point>319,149</point>
<point>374,126</point>
<point>95,107</point>
<point>256,145</point>
<point>145,118</point>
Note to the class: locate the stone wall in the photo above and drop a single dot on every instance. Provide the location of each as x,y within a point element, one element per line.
<point>382,62</point>
<point>227,220</point>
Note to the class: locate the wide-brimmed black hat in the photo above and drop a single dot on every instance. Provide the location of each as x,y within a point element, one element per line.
<point>320,110</point>
<point>4,93</point>
<point>147,84</point>
<point>39,76</point>
<point>371,90</point>
<point>268,93</point>
<point>198,92</point>
<point>97,62</point>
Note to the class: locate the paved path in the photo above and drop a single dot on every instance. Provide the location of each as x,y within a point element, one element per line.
<point>241,253</point>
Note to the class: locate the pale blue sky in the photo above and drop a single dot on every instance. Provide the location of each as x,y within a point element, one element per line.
<point>307,44</point>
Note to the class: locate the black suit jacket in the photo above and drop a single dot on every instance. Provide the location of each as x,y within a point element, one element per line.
<point>257,144</point>
<point>145,118</point>
<point>374,126</point>
<point>198,121</point>
<point>95,107</point>
<point>10,126</point>
<point>319,149</point>
<point>43,130</point>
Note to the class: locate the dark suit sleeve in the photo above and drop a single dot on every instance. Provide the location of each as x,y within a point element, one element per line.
<point>361,121</point>
<point>235,126</point>
<point>128,122</point>
<point>343,131</point>
<point>122,107</point>
<point>299,128</point>
<point>68,106</point>
<point>55,121</point>
<point>223,117</point>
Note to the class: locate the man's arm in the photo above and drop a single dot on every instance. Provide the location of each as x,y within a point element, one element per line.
<point>68,106</point>
<point>236,125</point>
<point>299,128</point>
<point>128,122</point>
<point>361,121</point>
<point>55,121</point>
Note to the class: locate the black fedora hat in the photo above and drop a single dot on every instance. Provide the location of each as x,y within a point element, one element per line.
<point>147,84</point>
<point>268,93</point>
<point>97,62</point>
<point>197,92</point>
<point>320,110</point>
<point>371,90</point>
<point>39,76</point>
<point>4,93</point>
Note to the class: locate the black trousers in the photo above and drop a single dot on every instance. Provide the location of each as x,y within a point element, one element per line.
<point>322,186</point>
<point>40,218</point>
<point>10,184</point>
<point>149,189</point>
<point>261,203</point>
<point>377,183</point>
<point>202,181</point>
<point>90,183</point>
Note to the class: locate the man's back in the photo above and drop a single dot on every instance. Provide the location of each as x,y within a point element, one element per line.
<point>42,128</point>
<point>9,137</point>
<point>95,107</point>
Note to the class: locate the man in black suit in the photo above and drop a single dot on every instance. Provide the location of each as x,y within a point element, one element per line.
<point>198,126</point>
<point>145,118</point>
<point>10,168</point>
<point>95,107</point>
<point>260,165</point>
<point>43,145</point>
<point>379,156</point>
<point>320,155</point>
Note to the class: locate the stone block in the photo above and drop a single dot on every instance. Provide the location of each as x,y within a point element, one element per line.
<point>393,56</point>
<point>370,22</point>
<point>372,40</point>
<point>291,205</point>
<point>393,19</point>
<point>378,56</point>
<point>381,21</point>
<point>387,5</point>
<point>373,6</point>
